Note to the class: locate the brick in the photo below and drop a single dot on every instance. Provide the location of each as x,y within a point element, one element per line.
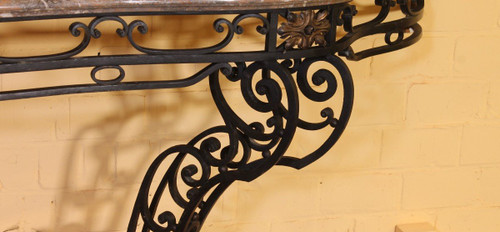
<point>226,208</point>
<point>27,80</point>
<point>280,197</point>
<point>474,61</point>
<point>62,124</point>
<point>493,106</point>
<point>107,116</point>
<point>315,225</point>
<point>170,35</point>
<point>99,165</point>
<point>176,72</point>
<point>379,104</point>
<point>26,211</point>
<point>32,38</point>
<point>19,168</point>
<point>170,112</point>
<point>439,20</point>
<point>70,206</point>
<point>11,212</point>
<point>96,210</point>
<point>418,147</point>
<point>132,160</point>
<point>431,57</point>
<point>108,210</point>
<point>468,220</point>
<point>383,222</point>
<point>39,210</point>
<point>446,102</point>
<point>480,144</point>
<point>489,186</point>
<point>416,227</point>
<point>240,227</point>
<point>347,193</point>
<point>31,119</point>
<point>60,165</point>
<point>169,27</point>
<point>347,154</point>
<point>439,189</point>
<point>361,70</point>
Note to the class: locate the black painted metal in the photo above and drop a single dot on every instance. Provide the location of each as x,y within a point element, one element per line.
<point>260,145</point>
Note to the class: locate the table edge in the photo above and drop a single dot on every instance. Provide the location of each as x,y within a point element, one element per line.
<point>12,13</point>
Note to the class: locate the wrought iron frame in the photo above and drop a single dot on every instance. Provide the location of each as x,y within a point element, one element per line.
<point>310,36</point>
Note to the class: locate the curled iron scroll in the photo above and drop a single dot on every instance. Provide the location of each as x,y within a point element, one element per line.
<point>126,30</point>
<point>208,151</point>
<point>413,10</point>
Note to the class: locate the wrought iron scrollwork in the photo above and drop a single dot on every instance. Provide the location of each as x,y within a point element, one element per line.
<point>247,138</point>
<point>76,30</point>
<point>250,137</point>
<point>249,148</point>
<point>337,123</point>
<point>413,9</point>
<point>232,27</point>
<point>91,31</point>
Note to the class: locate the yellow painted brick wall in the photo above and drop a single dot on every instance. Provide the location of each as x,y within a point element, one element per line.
<point>423,143</point>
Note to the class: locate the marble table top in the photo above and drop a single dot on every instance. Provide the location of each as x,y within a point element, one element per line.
<point>47,8</point>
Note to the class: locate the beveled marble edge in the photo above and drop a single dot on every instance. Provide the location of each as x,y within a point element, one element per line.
<point>46,8</point>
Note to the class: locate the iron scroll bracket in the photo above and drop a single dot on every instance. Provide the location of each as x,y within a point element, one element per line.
<point>295,39</point>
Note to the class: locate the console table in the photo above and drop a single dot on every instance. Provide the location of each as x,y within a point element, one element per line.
<point>297,35</point>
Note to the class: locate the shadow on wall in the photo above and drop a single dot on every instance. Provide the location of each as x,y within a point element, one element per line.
<point>120,144</point>
<point>106,197</point>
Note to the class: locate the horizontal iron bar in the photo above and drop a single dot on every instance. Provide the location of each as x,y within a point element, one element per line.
<point>227,57</point>
<point>90,88</point>
<point>87,88</point>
